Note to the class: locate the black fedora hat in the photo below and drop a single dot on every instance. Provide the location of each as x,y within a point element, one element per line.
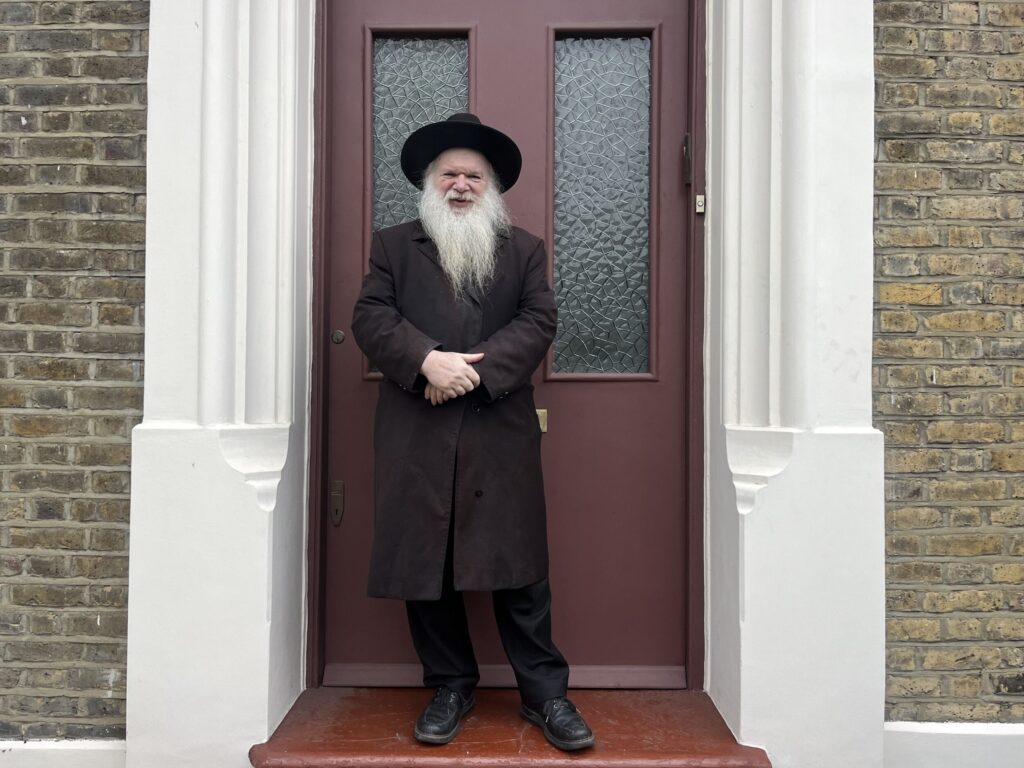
<point>465,131</point>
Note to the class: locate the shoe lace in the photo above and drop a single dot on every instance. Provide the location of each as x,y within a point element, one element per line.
<point>557,705</point>
<point>444,694</point>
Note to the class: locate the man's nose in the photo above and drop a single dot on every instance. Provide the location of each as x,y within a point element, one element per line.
<point>461,183</point>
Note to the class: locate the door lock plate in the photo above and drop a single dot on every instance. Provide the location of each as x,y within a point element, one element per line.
<point>337,502</point>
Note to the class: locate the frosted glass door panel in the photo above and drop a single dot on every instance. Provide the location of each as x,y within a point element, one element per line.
<point>602,204</point>
<point>415,82</point>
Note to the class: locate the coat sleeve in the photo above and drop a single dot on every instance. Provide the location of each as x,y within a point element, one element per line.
<point>512,353</point>
<point>394,345</point>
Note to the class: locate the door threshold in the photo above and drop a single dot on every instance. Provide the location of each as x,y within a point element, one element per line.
<point>359,727</point>
<point>501,676</point>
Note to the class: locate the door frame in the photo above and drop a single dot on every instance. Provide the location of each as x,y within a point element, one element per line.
<point>693,386</point>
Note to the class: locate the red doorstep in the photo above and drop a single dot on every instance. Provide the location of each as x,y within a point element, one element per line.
<point>353,727</point>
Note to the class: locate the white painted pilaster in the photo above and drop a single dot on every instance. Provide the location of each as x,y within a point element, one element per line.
<point>795,619</point>
<point>217,559</point>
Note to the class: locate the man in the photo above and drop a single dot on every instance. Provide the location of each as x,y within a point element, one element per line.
<point>457,314</point>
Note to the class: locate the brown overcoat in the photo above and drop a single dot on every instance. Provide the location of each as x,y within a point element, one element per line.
<point>477,456</point>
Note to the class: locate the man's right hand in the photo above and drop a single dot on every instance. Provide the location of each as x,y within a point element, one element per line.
<point>452,372</point>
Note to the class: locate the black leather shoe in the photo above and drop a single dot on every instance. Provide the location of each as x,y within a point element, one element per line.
<point>563,725</point>
<point>440,719</point>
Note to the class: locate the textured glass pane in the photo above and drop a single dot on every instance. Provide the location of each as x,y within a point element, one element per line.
<point>415,82</point>
<point>602,202</point>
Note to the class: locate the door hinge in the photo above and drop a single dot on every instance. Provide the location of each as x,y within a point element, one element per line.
<point>337,502</point>
<point>698,203</point>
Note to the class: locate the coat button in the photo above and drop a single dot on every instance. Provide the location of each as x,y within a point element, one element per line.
<point>478,494</point>
<point>476,409</point>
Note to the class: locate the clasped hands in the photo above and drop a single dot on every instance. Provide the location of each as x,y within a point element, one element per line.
<point>450,375</point>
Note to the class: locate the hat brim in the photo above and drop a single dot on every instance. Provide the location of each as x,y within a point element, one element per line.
<point>426,143</point>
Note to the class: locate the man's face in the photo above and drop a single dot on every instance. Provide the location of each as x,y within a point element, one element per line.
<point>462,176</point>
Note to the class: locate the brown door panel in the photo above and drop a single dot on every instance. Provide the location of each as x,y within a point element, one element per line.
<point>614,450</point>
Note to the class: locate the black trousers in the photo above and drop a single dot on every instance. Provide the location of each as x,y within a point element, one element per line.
<point>440,634</point>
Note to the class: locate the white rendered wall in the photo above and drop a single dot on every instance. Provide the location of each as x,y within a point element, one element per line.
<point>217,561</point>
<point>956,745</point>
<point>795,617</point>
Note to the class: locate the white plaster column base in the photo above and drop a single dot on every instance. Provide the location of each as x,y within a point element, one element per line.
<point>62,754</point>
<point>207,675</point>
<point>964,745</point>
<point>796,556</point>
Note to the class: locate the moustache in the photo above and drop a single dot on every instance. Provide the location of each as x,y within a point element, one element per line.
<point>453,195</point>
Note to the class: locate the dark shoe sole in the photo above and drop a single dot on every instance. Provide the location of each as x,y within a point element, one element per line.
<point>443,738</point>
<point>562,744</point>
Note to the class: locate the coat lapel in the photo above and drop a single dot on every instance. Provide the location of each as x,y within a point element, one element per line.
<point>424,243</point>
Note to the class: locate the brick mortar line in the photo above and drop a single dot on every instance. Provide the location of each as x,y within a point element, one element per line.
<point>940,645</point>
<point>920,136</point>
<point>913,361</point>
<point>84,108</point>
<point>61,525</point>
<point>75,384</point>
<point>83,26</point>
<point>18,717</point>
<point>35,610</point>
<point>926,558</point>
<point>934,309</point>
<point>81,54</point>
<point>63,665</point>
<point>51,494</point>
<point>77,640</point>
<point>945,587</point>
<point>134,134</point>
<point>63,720</point>
<point>961,615</point>
<point>990,474</point>
<point>78,440</point>
<point>84,80</point>
<point>69,639</point>
<point>64,552</point>
<point>38,245</point>
<point>77,162</point>
<point>991,531</point>
<point>944,25</point>
<point>996,504</point>
<point>127,330</point>
<point>44,493</point>
<point>70,216</point>
<point>943,109</point>
<point>68,610</point>
<point>74,190</point>
<point>116,694</point>
<point>967,644</point>
<point>1012,589</point>
<point>903,418</point>
<point>40,465</point>
<point>933,53</point>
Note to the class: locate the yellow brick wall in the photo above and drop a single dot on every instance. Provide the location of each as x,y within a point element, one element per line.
<point>949,354</point>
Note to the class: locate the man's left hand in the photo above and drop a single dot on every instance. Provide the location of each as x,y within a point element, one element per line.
<point>435,395</point>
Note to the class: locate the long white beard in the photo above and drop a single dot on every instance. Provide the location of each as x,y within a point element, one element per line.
<point>467,241</point>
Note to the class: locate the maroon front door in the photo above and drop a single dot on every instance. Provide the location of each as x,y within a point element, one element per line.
<point>595,93</point>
